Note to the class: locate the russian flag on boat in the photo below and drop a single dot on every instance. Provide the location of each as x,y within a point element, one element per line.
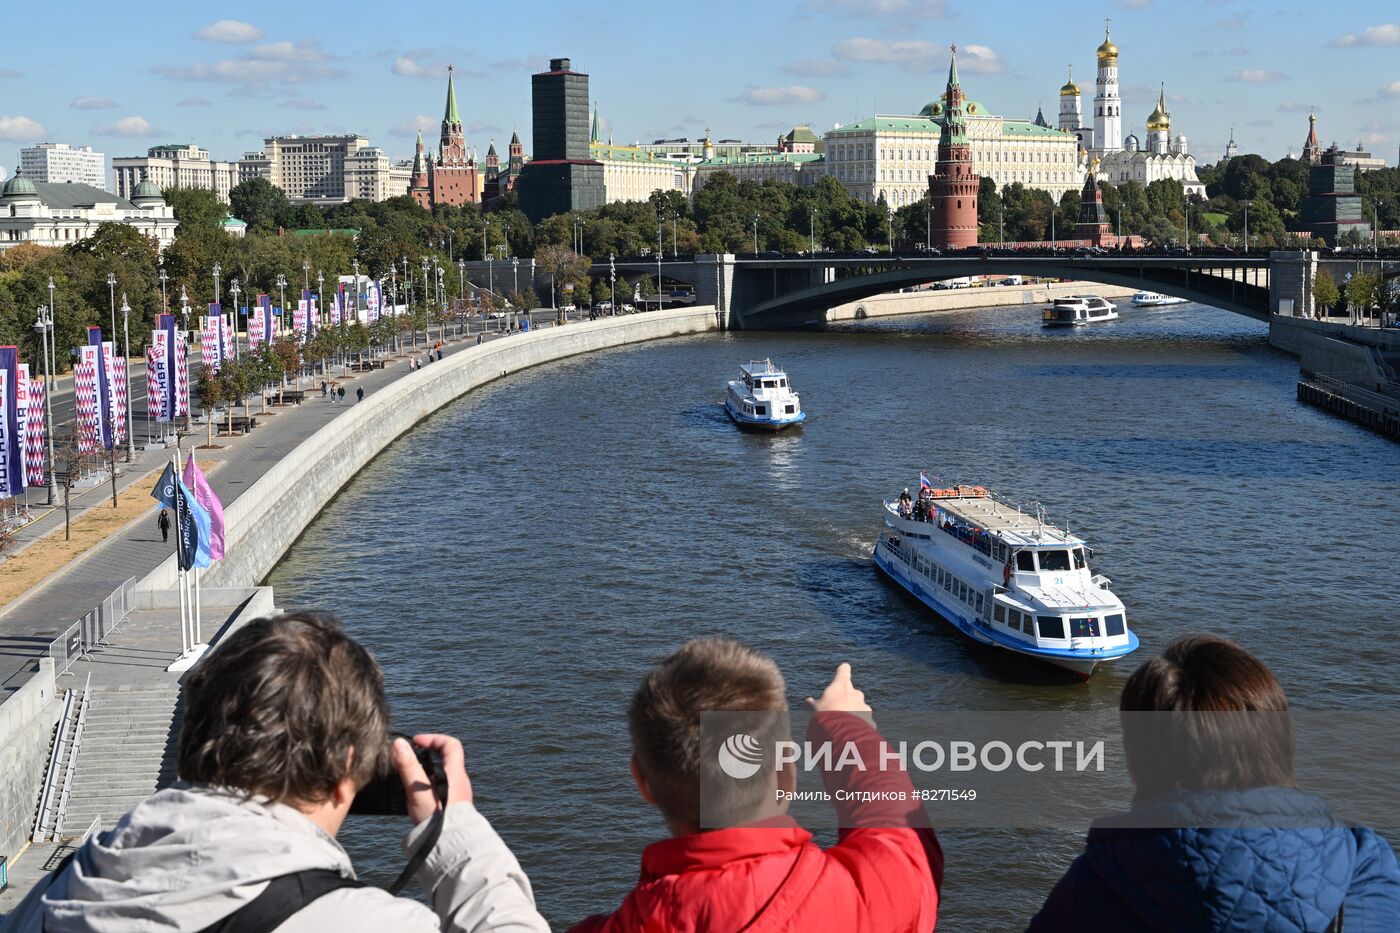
<point>924,483</point>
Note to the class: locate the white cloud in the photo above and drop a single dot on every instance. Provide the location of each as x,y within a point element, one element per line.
<point>21,129</point>
<point>1132,4</point>
<point>307,50</point>
<point>271,64</point>
<point>419,124</point>
<point>229,30</point>
<point>814,68</point>
<point>1292,106</point>
<point>902,51</point>
<point>1384,34</point>
<point>302,103</point>
<point>980,60</point>
<point>1389,90</point>
<point>194,102</point>
<point>1257,76</point>
<point>881,9</point>
<point>92,103</point>
<point>1234,22</point>
<point>779,96</point>
<point>1374,139</point>
<point>421,63</point>
<point>128,126</point>
<point>10,73</point>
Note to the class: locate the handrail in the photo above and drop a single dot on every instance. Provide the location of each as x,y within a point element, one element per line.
<point>72,759</point>
<point>1357,393</point>
<point>40,834</point>
<point>93,827</point>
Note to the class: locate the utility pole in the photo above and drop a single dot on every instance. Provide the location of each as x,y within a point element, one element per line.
<point>755,234</point>
<point>164,304</point>
<point>218,271</point>
<point>126,333</point>
<point>281,284</point>
<point>112,297</point>
<point>44,325</point>
<point>234,290</point>
<point>1246,225</point>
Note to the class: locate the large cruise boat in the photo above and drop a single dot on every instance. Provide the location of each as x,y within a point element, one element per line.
<point>1077,310</point>
<point>761,398</point>
<point>1155,300</point>
<point>1002,577</point>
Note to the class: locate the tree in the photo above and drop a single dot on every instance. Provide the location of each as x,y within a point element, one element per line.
<point>209,388</point>
<point>71,463</point>
<point>1363,293</point>
<point>561,264</point>
<point>260,204</point>
<point>1325,293</point>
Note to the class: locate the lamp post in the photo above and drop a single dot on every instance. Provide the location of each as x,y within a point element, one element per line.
<point>1187,200</point>
<point>44,325</point>
<point>355,267</point>
<point>928,224</point>
<point>755,234</point>
<point>462,279</point>
<point>1246,225</point>
<point>490,276</point>
<point>112,298</point>
<point>674,217</point>
<point>1053,211</point>
<point>184,310</point>
<point>306,274</point>
<point>126,335</point>
<point>427,318</point>
<point>811,229</point>
<point>164,304</point>
<point>889,228</point>
<point>612,283</point>
<point>234,290</point>
<point>515,269</point>
<point>281,284</point>
<point>218,271</point>
<point>320,294</point>
<point>1001,220</point>
<point>53,347</point>
<point>658,264</point>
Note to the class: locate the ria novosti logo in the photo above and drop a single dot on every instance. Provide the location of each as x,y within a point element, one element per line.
<point>740,756</point>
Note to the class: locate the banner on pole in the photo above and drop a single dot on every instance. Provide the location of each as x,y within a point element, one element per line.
<point>227,332</point>
<point>88,423</point>
<point>33,390</point>
<point>337,305</point>
<point>106,400</point>
<point>11,440</point>
<point>210,342</point>
<point>155,390</point>
<point>372,303</point>
<point>182,377</point>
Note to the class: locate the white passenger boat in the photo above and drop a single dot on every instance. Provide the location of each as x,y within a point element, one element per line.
<point>761,398</point>
<point>1077,310</point>
<point>1002,577</point>
<point>1155,300</point>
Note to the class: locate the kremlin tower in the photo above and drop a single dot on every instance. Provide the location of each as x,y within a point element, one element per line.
<point>451,178</point>
<point>953,186</point>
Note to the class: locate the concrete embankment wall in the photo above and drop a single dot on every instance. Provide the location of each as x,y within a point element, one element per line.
<point>1333,348</point>
<point>959,299</point>
<point>272,513</point>
<point>27,718</point>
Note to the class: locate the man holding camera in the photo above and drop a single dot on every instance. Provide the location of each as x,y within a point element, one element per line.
<point>285,723</point>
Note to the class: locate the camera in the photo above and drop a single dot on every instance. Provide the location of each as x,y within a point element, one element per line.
<point>384,795</point>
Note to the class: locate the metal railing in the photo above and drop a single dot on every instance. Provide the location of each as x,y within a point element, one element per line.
<point>72,766</point>
<point>41,832</point>
<point>93,628</point>
<point>1379,401</point>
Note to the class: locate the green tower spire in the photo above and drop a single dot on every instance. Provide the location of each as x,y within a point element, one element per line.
<point>954,120</point>
<point>597,134</point>
<point>451,115</point>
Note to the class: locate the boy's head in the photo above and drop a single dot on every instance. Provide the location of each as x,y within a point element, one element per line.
<point>705,675</point>
<point>286,707</point>
<point>1230,726</point>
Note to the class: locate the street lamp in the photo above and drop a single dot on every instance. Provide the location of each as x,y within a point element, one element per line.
<point>889,228</point>
<point>281,284</point>
<point>164,304</point>
<point>53,346</point>
<point>184,310</point>
<point>218,270</point>
<point>755,234</point>
<point>515,269</point>
<point>306,274</point>
<point>612,282</point>
<point>427,319</point>
<point>44,325</point>
<point>234,290</point>
<point>112,297</point>
<point>462,279</point>
<point>1246,225</point>
<point>126,333</point>
<point>812,229</point>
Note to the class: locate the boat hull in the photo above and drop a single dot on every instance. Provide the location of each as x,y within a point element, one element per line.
<point>751,423</point>
<point>1079,663</point>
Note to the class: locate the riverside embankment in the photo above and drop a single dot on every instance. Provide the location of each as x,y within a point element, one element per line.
<point>927,301</point>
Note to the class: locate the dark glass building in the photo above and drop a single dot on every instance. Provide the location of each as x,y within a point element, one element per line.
<point>561,177</point>
<point>1332,206</point>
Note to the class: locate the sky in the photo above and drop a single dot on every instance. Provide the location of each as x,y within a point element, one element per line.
<point>121,78</point>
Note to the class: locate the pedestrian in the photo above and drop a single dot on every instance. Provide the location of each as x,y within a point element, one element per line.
<point>439,353</point>
<point>324,388</point>
<point>342,393</point>
<point>164,523</point>
<point>359,393</point>
<point>478,340</point>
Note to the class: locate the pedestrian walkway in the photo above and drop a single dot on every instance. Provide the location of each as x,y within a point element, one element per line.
<point>30,623</point>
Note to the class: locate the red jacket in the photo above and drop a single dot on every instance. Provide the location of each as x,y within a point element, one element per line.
<point>762,879</point>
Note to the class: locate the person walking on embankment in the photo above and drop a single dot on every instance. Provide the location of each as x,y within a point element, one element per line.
<point>359,393</point>
<point>163,522</point>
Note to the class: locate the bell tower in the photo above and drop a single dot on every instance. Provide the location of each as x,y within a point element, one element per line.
<point>953,186</point>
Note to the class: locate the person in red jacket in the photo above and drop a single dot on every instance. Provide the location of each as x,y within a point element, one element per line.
<point>883,874</point>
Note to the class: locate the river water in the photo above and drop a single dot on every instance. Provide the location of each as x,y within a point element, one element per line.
<point>518,560</point>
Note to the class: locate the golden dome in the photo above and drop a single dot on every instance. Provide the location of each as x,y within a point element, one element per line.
<point>1108,52</point>
<point>1160,119</point>
<point>1070,89</point>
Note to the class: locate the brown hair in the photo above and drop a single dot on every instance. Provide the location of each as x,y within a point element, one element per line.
<point>285,707</point>
<point>1236,732</point>
<point>705,675</point>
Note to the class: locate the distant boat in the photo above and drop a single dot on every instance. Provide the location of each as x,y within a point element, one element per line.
<point>761,398</point>
<point>1154,300</point>
<point>1077,310</point>
<point>1002,577</point>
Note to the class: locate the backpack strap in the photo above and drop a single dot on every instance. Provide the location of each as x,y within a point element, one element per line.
<point>283,896</point>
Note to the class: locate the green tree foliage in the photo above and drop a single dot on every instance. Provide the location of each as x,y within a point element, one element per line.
<point>1325,292</point>
<point>260,204</point>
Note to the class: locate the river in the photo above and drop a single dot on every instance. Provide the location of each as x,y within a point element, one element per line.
<point>521,558</point>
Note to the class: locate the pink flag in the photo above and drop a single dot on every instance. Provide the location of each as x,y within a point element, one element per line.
<point>196,482</point>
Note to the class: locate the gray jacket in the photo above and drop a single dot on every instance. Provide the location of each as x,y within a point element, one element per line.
<point>190,855</point>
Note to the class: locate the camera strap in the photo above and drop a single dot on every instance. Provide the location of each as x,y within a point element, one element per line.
<point>420,855</point>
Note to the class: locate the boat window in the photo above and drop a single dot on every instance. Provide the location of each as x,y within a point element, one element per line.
<point>1051,561</point>
<point>760,409</point>
<point>999,612</point>
<point>1052,627</point>
<point>791,409</point>
<point>979,602</point>
<point>962,591</point>
<point>1079,562</point>
<point>782,383</point>
<point>1113,625</point>
<point>948,583</point>
<point>1084,628</point>
<point>1025,560</point>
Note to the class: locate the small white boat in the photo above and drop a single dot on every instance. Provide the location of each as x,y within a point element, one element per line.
<point>761,398</point>
<point>1077,310</point>
<point>1002,577</point>
<point>1155,300</point>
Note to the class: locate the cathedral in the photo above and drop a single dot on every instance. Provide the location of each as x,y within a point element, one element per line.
<point>1121,160</point>
<point>451,177</point>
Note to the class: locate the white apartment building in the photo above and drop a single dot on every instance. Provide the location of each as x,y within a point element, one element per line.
<point>57,214</point>
<point>631,173</point>
<point>55,163</point>
<point>325,169</point>
<point>892,155</point>
<point>798,168</point>
<point>174,166</point>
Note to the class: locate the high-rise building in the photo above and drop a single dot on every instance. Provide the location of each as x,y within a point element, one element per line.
<point>324,169</point>
<point>1332,207</point>
<point>55,163</point>
<point>451,178</point>
<point>561,177</point>
<point>953,187</point>
<point>174,166</point>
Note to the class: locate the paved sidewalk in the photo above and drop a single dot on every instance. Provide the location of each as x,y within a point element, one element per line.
<point>29,624</point>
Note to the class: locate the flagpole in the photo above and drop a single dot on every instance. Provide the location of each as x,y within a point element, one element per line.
<point>197,618</point>
<point>180,549</point>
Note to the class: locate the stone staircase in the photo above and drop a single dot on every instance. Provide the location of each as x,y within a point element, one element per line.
<point>130,738</point>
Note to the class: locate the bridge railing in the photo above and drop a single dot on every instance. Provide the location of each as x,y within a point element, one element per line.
<point>1380,401</point>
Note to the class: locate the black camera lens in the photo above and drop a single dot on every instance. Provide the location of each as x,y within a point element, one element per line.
<point>384,795</point>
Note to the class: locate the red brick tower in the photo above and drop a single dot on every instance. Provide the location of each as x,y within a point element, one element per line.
<point>418,185</point>
<point>1092,224</point>
<point>953,186</point>
<point>453,176</point>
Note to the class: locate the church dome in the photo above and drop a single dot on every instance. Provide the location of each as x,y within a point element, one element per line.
<point>18,187</point>
<point>1160,119</point>
<point>146,190</point>
<point>1070,89</point>
<point>1108,52</point>
<point>1131,143</point>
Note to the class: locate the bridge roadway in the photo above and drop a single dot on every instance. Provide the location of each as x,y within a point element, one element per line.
<point>787,291</point>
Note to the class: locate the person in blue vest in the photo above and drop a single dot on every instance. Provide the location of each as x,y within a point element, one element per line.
<point>1219,837</point>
